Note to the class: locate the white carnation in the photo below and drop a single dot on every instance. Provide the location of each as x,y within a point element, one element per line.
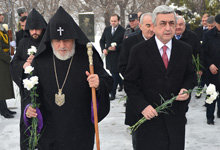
<point>32,50</point>
<point>113,44</point>
<point>34,80</point>
<point>28,69</point>
<point>210,89</point>
<point>212,97</point>
<point>28,84</point>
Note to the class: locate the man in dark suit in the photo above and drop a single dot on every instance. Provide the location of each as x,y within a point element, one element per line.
<point>191,38</point>
<point>162,66</point>
<point>113,34</point>
<point>203,28</point>
<point>145,34</point>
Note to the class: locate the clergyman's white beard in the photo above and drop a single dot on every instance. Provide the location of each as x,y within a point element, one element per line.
<point>65,57</point>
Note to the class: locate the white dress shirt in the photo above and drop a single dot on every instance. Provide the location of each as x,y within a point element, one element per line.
<point>160,45</point>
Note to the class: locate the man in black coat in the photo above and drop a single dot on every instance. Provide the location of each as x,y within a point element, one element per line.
<point>211,46</point>
<point>162,66</point>
<point>34,30</point>
<point>20,33</point>
<point>68,125</point>
<point>203,28</point>
<point>145,34</point>
<point>113,34</point>
<point>193,40</point>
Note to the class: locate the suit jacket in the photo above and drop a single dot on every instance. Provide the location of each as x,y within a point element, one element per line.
<point>200,32</point>
<point>193,39</point>
<point>126,49</point>
<point>146,79</point>
<point>105,43</point>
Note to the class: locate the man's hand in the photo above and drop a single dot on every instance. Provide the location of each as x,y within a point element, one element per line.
<point>112,48</point>
<point>30,59</point>
<point>213,69</point>
<point>182,97</point>
<point>105,52</point>
<point>31,112</point>
<point>93,80</point>
<point>26,64</point>
<point>149,112</point>
<point>199,73</point>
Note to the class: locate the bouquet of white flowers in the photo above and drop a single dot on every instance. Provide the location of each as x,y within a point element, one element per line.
<point>30,85</point>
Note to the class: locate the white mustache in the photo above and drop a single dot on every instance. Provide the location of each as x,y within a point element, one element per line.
<point>62,49</point>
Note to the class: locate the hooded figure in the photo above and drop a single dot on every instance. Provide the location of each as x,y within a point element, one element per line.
<point>68,125</point>
<point>34,30</point>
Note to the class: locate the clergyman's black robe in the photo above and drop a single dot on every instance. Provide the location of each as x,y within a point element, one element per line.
<point>70,126</point>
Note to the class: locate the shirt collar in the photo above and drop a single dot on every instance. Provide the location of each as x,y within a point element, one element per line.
<point>160,44</point>
<point>144,37</point>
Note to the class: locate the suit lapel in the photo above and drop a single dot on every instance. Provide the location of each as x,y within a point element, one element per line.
<point>175,54</point>
<point>154,53</point>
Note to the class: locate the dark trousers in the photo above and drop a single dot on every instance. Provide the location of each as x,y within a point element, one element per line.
<point>210,109</point>
<point>117,80</point>
<point>3,107</point>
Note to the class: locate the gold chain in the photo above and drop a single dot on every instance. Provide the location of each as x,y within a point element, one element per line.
<point>55,71</point>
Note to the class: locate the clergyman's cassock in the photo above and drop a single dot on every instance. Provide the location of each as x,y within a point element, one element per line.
<point>68,126</point>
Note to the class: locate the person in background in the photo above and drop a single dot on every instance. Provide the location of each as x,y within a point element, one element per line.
<point>20,34</point>
<point>145,34</point>
<point>211,44</point>
<point>191,38</point>
<point>211,22</point>
<point>33,34</point>
<point>203,28</point>
<point>6,85</point>
<point>179,13</point>
<point>113,34</point>
<point>133,28</point>
<point>22,11</point>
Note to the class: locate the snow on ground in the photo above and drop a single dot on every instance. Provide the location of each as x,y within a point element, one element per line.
<point>114,135</point>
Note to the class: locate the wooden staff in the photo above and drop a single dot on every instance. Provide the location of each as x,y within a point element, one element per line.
<point>10,39</point>
<point>91,68</point>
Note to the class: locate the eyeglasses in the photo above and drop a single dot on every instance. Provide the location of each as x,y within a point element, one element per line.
<point>164,23</point>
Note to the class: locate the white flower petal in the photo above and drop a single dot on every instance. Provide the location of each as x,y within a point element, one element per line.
<point>28,69</point>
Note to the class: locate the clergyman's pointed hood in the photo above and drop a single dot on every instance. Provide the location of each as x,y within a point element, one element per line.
<point>60,27</point>
<point>35,21</point>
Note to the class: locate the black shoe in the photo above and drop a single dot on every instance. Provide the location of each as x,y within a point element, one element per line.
<point>120,88</point>
<point>7,115</point>
<point>210,122</point>
<point>112,97</point>
<point>12,112</point>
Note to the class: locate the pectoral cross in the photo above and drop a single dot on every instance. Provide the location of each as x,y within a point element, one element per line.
<point>60,30</point>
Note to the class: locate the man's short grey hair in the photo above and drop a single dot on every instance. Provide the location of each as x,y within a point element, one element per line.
<point>143,15</point>
<point>180,17</point>
<point>162,9</point>
<point>211,20</point>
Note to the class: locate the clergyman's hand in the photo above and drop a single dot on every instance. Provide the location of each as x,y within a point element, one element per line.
<point>149,112</point>
<point>93,80</point>
<point>31,112</point>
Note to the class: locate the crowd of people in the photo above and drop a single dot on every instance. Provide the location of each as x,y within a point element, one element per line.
<point>152,57</point>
